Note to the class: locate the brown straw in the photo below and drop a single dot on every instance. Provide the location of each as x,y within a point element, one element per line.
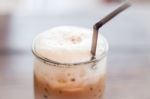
<point>102,22</point>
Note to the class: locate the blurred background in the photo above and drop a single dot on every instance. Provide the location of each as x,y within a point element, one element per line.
<point>128,36</point>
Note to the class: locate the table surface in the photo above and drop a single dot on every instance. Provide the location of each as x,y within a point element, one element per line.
<point>128,58</point>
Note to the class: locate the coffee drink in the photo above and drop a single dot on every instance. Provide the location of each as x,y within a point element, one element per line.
<point>64,69</point>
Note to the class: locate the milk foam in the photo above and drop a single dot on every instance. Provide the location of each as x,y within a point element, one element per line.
<point>67,44</point>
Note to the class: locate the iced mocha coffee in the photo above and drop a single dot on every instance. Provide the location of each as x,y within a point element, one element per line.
<point>64,69</point>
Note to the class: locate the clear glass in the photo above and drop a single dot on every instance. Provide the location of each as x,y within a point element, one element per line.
<point>54,80</point>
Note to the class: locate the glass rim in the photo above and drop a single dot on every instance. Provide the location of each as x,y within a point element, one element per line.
<point>55,63</point>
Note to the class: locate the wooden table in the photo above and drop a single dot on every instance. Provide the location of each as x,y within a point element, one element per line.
<point>128,58</point>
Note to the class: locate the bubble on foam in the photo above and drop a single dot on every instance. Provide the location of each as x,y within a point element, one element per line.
<point>68,44</point>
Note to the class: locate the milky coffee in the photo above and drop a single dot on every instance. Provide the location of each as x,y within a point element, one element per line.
<point>75,75</point>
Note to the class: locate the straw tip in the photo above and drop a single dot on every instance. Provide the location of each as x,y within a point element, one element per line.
<point>128,3</point>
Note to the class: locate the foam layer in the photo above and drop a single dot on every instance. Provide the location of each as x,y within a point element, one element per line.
<point>67,44</point>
